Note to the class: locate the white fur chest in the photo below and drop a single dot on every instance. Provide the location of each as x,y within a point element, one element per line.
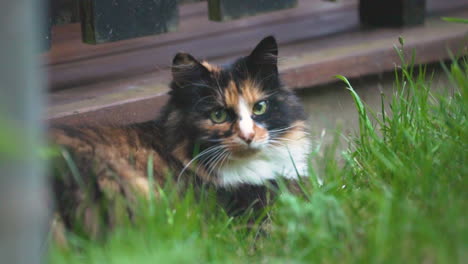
<point>271,163</point>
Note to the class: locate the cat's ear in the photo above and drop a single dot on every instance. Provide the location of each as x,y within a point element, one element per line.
<point>186,70</point>
<point>264,58</point>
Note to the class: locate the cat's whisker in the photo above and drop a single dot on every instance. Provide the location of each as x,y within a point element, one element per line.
<point>284,140</point>
<point>200,84</point>
<point>271,94</point>
<point>204,152</point>
<point>209,159</point>
<point>214,140</point>
<point>213,164</point>
<point>277,143</point>
<point>225,157</point>
<point>201,100</point>
<point>216,161</point>
<point>259,82</point>
<point>283,129</point>
<point>188,84</point>
<point>263,138</point>
<point>278,135</point>
<point>220,91</point>
<point>224,160</point>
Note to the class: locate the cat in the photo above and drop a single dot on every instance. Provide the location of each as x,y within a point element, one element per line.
<point>234,127</point>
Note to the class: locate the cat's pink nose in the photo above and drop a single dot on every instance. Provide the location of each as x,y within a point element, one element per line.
<point>247,137</point>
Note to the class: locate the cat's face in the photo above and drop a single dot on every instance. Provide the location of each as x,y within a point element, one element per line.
<point>238,112</point>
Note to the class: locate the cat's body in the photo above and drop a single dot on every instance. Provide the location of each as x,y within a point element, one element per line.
<point>234,128</point>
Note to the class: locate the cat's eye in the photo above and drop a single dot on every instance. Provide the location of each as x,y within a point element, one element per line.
<point>219,116</point>
<point>260,108</point>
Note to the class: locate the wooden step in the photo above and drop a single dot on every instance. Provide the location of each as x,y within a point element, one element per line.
<point>127,82</point>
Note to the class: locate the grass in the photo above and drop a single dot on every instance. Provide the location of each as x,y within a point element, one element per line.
<point>455,20</point>
<point>398,196</point>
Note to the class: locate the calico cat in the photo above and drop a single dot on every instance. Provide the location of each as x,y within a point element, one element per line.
<point>234,127</point>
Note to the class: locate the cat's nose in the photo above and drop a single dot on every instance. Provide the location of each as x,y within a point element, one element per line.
<point>247,137</point>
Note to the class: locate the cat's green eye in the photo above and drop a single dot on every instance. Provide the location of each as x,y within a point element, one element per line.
<point>219,116</point>
<point>260,108</point>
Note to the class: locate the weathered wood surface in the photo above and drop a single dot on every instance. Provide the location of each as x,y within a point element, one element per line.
<point>302,64</point>
<point>99,82</point>
<point>73,63</point>
<point>111,20</point>
<point>225,10</point>
<point>189,1</point>
<point>394,13</point>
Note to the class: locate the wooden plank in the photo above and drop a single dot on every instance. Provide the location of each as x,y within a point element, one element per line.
<point>211,45</point>
<point>225,10</point>
<point>392,12</point>
<point>111,20</point>
<point>75,64</point>
<point>370,58</point>
<point>302,64</point>
<point>67,46</point>
<point>189,1</point>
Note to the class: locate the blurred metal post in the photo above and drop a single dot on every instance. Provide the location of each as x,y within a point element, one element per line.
<point>23,192</point>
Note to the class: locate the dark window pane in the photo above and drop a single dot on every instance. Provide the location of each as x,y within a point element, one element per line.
<point>222,10</point>
<point>112,20</point>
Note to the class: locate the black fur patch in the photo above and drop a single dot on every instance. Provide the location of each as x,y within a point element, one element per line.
<point>196,92</point>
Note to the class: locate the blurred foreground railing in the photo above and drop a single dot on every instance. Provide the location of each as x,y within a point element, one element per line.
<point>23,195</point>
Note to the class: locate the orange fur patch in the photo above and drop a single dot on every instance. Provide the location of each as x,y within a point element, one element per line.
<point>231,95</point>
<point>248,90</point>
<point>251,92</point>
<point>297,132</point>
<point>180,152</point>
<point>208,125</point>
<point>260,133</point>
<point>210,67</point>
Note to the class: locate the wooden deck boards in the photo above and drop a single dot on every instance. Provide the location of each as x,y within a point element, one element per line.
<point>126,81</point>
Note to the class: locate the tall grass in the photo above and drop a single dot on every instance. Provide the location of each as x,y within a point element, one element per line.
<point>399,196</point>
